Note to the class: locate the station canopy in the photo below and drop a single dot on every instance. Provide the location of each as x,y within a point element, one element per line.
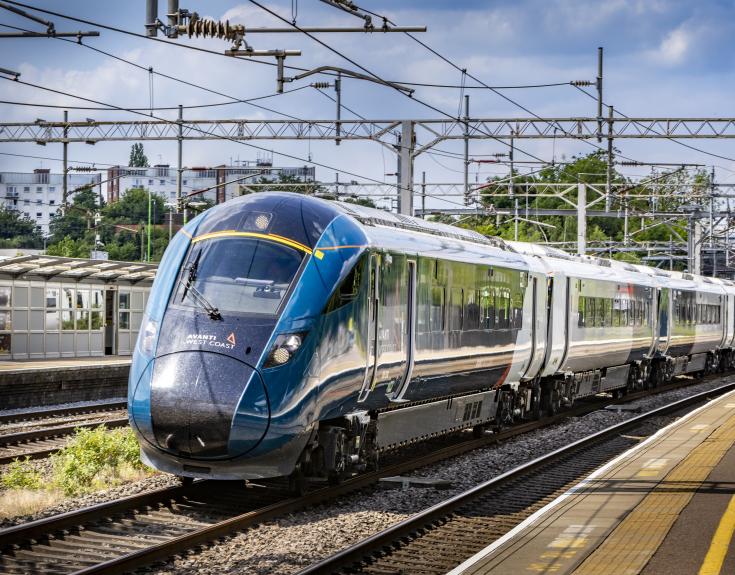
<point>56,267</point>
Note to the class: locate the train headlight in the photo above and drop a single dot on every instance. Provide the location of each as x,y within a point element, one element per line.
<point>286,345</point>
<point>148,337</point>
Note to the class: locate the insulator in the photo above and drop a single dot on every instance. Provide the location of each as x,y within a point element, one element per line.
<point>321,85</point>
<point>212,29</point>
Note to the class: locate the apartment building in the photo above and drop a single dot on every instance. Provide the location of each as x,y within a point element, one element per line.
<point>39,195</point>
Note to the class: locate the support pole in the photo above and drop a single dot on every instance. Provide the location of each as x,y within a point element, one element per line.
<point>581,218</point>
<point>65,185</point>
<point>694,244</point>
<point>466,150</point>
<point>610,159</point>
<point>149,226</point>
<point>599,94</point>
<point>173,18</point>
<point>179,168</point>
<point>405,169</point>
<point>338,90</point>
<point>151,15</point>
<point>423,195</point>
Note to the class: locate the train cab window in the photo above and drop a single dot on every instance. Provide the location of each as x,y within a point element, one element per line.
<point>237,275</point>
<point>349,289</point>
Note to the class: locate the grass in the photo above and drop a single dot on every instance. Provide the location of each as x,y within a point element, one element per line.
<point>94,459</point>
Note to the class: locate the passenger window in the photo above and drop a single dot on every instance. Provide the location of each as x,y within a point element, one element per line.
<point>436,316</point>
<point>471,310</point>
<point>455,310</point>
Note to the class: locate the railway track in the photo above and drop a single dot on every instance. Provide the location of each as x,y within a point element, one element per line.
<point>438,539</point>
<point>122,535</point>
<point>37,434</point>
<point>50,413</point>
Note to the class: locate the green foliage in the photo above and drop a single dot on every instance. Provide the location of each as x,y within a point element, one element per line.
<point>93,457</point>
<point>78,219</point>
<point>132,208</point>
<point>138,158</point>
<point>70,248</point>
<point>20,474</point>
<point>17,231</point>
<point>367,202</point>
<point>590,169</point>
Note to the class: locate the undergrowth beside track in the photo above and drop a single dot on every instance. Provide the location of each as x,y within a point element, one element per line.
<point>93,460</point>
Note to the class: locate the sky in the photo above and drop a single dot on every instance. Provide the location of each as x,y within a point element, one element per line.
<point>662,58</point>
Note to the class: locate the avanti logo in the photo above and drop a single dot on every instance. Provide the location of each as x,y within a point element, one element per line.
<point>201,339</point>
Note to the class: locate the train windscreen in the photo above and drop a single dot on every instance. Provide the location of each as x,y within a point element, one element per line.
<point>240,275</point>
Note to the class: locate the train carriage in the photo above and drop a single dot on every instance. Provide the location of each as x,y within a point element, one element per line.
<point>287,335</point>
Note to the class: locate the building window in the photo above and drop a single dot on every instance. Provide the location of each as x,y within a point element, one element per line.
<point>52,188</point>
<point>39,215</point>
<point>39,202</point>
<point>162,182</point>
<point>39,189</point>
<point>26,214</point>
<point>26,202</point>
<point>11,190</point>
<point>185,181</point>
<point>51,202</point>
<point>150,182</point>
<point>26,188</point>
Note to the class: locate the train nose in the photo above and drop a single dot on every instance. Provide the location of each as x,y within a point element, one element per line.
<point>195,397</point>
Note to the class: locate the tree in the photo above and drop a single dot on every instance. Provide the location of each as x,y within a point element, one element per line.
<point>132,208</point>
<point>17,231</point>
<point>138,158</point>
<point>78,219</point>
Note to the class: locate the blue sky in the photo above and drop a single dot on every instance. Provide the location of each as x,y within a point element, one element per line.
<point>662,58</point>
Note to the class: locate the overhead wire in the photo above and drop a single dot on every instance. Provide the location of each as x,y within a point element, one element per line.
<point>252,60</point>
<point>197,129</point>
<point>671,138</point>
<point>379,78</point>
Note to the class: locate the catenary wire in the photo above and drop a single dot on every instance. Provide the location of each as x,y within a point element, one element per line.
<point>254,61</point>
<point>671,138</point>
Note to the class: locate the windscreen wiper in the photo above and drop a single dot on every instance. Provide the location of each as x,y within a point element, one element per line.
<point>197,296</point>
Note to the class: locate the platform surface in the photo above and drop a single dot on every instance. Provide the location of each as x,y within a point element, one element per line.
<point>666,507</point>
<point>63,363</point>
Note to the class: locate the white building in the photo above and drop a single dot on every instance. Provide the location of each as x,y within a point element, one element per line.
<point>161,179</point>
<point>39,195</point>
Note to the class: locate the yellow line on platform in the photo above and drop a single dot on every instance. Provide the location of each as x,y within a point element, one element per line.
<point>712,564</point>
<point>630,546</point>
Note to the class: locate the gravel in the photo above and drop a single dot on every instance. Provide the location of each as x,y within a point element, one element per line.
<point>61,421</point>
<point>286,545</point>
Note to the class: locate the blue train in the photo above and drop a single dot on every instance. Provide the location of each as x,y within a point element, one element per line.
<point>291,336</point>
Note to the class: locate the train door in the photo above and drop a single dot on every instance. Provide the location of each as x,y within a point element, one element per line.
<point>110,322</point>
<point>664,301</point>
<point>409,333</point>
<point>372,330</point>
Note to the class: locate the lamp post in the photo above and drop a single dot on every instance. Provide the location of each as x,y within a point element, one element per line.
<point>149,226</point>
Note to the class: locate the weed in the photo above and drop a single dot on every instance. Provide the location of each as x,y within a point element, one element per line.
<point>96,458</point>
<point>20,474</point>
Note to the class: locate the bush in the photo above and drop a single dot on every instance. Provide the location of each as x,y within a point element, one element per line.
<point>95,458</point>
<point>20,474</point>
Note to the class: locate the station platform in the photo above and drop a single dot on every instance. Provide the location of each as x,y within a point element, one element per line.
<point>63,363</point>
<point>37,383</point>
<point>665,507</point>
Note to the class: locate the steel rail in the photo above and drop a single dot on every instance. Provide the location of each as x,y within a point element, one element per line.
<point>45,413</point>
<point>386,538</point>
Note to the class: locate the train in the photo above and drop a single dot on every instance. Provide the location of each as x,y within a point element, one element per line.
<point>295,337</point>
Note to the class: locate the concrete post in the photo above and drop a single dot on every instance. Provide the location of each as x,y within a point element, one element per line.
<point>405,171</point>
<point>581,218</point>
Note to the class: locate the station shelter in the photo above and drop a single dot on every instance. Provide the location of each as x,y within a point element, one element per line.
<point>57,307</point>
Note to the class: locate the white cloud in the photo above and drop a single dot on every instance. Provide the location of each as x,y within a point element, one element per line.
<point>674,47</point>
